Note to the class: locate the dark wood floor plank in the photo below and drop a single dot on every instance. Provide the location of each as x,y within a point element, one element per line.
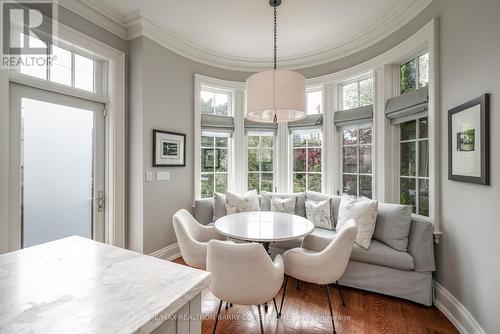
<point>306,311</point>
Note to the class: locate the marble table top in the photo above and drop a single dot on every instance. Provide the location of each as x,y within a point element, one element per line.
<point>76,285</point>
<point>264,226</point>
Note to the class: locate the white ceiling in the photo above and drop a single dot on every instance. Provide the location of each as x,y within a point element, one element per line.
<point>311,31</point>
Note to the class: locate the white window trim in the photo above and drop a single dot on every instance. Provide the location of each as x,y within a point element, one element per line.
<point>236,90</point>
<point>114,128</point>
<point>385,71</point>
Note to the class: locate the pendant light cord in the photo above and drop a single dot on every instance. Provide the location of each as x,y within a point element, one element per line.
<point>275,118</point>
<point>274,37</point>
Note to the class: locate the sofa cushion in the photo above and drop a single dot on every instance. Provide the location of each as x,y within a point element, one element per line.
<point>364,212</point>
<point>335,202</point>
<point>247,202</point>
<point>319,213</point>
<point>383,255</point>
<point>219,206</point>
<point>300,205</point>
<point>283,205</point>
<point>393,225</point>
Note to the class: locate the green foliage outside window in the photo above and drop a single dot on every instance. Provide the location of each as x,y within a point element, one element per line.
<point>307,155</point>
<point>414,74</point>
<point>260,163</point>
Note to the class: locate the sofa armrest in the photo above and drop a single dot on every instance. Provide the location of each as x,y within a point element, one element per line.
<point>421,245</point>
<point>204,210</point>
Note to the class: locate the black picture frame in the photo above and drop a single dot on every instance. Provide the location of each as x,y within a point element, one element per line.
<point>156,143</point>
<point>484,102</point>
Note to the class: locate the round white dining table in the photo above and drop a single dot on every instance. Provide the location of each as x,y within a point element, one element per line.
<point>264,226</point>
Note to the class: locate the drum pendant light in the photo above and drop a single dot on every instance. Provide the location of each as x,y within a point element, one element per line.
<point>276,95</point>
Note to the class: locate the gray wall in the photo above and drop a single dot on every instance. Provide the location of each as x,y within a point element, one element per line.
<point>161,97</point>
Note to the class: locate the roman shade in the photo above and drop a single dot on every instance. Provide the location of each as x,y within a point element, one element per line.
<point>361,115</point>
<point>217,124</point>
<point>311,122</point>
<point>408,106</point>
<point>251,126</point>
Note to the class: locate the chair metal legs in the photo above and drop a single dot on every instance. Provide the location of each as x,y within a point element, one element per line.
<point>298,285</point>
<point>340,292</point>
<point>330,306</point>
<point>217,317</point>
<point>283,297</point>
<point>260,320</point>
<point>276,308</point>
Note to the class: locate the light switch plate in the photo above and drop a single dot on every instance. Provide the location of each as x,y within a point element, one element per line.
<point>149,177</point>
<point>163,176</point>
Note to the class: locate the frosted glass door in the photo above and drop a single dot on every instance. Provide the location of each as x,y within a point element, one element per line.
<point>60,168</point>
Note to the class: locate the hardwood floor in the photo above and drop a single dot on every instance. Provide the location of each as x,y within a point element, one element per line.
<point>306,311</point>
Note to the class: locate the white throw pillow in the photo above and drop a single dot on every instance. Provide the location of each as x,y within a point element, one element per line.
<point>364,212</point>
<point>283,205</point>
<point>319,213</point>
<point>236,203</point>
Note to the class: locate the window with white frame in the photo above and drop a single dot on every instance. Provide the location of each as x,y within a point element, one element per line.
<point>67,67</point>
<point>216,146</point>
<point>414,165</point>
<point>314,99</point>
<point>357,94</point>
<point>357,161</point>
<point>306,166</point>
<point>260,174</point>
<point>414,73</point>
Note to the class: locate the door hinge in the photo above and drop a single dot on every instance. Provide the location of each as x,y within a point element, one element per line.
<point>105,113</point>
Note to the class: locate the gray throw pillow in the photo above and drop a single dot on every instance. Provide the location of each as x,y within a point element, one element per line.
<point>393,225</point>
<point>334,204</point>
<point>300,205</point>
<point>219,206</point>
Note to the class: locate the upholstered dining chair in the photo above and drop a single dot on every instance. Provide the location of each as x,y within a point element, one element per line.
<point>321,261</point>
<point>193,237</point>
<point>243,274</point>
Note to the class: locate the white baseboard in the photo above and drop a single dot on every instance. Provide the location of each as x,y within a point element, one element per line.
<point>168,253</point>
<point>456,311</point>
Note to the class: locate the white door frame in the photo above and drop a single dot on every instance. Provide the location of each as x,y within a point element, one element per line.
<point>17,92</point>
<point>115,232</point>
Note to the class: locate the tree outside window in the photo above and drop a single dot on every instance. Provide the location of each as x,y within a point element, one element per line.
<point>357,161</point>
<point>214,102</point>
<point>414,165</point>
<point>414,74</point>
<point>214,165</point>
<point>260,162</point>
<point>307,169</point>
<point>357,94</point>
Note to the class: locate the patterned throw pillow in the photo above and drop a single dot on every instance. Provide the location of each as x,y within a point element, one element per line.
<point>236,203</point>
<point>283,205</point>
<point>364,211</point>
<point>319,213</point>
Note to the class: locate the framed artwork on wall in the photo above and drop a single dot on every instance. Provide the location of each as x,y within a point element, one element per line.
<point>469,141</point>
<point>169,149</point>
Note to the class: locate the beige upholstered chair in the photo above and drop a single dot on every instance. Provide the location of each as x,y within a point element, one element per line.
<point>192,238</point>
<point>243,274</point>
<point>321,261</point>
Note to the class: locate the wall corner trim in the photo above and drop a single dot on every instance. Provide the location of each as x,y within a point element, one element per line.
<point>455,311</point>
<point>168,253</point>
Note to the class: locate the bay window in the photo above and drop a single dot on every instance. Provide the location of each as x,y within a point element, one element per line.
<point>260,174</point>
<point>414,165</point>
<point>414,74</point>
<point>357,161</point>
<point>306,161</point>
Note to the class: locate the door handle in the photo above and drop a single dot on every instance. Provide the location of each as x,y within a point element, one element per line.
<point>100,201</point>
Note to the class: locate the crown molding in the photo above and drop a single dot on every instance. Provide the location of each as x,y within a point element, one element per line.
<point>139,23</point>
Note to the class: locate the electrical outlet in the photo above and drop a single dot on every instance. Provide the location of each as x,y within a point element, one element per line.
<point>149,177</point>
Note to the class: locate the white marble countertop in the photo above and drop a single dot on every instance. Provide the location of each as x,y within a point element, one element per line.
<point>264,226</point>
<point>76,285</point>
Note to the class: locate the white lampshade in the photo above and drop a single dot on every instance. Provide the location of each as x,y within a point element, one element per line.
<point>283,92</point>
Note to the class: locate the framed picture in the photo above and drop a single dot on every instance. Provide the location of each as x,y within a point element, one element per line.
<point>469,141</point>
<point>209,160</point>
<point>169,149</point>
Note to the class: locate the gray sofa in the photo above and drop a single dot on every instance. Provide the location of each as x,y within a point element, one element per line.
<point>399,261</point>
